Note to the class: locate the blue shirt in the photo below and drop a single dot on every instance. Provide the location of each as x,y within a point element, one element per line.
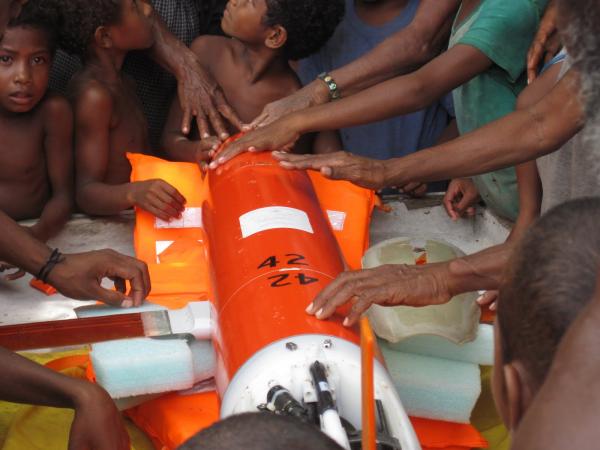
<point>391,138</point>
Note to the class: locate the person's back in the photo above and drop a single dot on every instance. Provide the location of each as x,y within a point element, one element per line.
<point>552,277</point>
<point>36,126</point>
<point>109,121</point>
<point>365,25</point>
<point>252,66</point>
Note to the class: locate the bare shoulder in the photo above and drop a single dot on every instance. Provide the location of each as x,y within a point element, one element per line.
<point>91,99</point>
<point>288,84</point>
<point>210,47</point>
<point>55,107</point>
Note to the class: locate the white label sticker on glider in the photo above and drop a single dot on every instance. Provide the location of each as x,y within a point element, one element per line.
<point>191,218</point>
<point>274,217</point>
<point>161,246</point>
<point>337,219</point>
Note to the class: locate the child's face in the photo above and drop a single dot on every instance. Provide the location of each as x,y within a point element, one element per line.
<point>134,30</point>
<point>25,61</point>
<point>243,19</point>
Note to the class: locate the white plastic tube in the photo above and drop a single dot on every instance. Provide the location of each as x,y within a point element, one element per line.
<point>331,425</point>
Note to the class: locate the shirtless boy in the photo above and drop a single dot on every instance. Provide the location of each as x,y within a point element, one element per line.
<point>109,121</point>
<point>253,66</point>
<point>36,126</point>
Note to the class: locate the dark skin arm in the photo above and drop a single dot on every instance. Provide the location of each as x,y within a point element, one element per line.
<point>93,112</point>
<point>187,147</point>
<point>58,145</point>
<point>393,285</point>
<point>530,185</point>
<point>181,147</point>
<point>78,275</point>
<point>518,137</point>
<point>564,413</point>
<point>398,96</point>
<point>97,425</point>
<point>400,53</point>
<point>199,95</point>
<point>546,43</point>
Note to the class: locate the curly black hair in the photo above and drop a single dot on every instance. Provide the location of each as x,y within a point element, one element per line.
<point>39,14</point>
<point>309,23</point>
<point>81,18</point>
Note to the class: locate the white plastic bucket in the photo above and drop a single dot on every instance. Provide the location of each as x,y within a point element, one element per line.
<point>456,320</point>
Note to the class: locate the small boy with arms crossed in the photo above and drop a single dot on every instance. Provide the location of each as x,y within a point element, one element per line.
<point>109,121</point>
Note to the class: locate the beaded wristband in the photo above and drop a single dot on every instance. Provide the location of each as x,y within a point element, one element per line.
<point>334,93</point>
<point>53,260</point>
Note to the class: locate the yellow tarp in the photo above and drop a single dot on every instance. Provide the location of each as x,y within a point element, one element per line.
<point>26,427</point>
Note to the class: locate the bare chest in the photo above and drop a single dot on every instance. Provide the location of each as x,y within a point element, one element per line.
<point>22,154</point>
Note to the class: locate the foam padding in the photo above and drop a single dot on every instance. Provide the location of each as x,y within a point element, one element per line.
<point>143,366</point>
<point>434,388</point>
<point>204,360</point>
<point>480,351</point>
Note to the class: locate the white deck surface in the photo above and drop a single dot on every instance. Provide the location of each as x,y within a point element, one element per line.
<point>19,303</point>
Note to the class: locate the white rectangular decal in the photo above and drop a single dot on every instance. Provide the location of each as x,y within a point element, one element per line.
<point>161,246</point>
<point>191,218</point>
<point>337,219</point>
<point>274,217</point>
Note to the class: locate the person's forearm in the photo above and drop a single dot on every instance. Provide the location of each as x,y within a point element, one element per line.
<point>20,248</point>
<point>23,381</point>
<point>104,199</point>
<point>394,97</point>
<point>54,216</point>
<point>403,51</point>
<point>519,137</point>
<point>168,51</point>
<point>480,271</point>
<point>180,148</point>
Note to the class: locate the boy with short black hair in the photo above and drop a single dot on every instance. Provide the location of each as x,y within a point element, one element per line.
<point>260,431</point>
<point>552,278</point>
<point>36,126</point>
<point>109,121</point>
<point>253,66</point>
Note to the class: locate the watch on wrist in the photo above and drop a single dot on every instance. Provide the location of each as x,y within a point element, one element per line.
<point>334,93</point>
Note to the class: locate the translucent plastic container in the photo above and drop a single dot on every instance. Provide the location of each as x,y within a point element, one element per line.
<point>456,320</point>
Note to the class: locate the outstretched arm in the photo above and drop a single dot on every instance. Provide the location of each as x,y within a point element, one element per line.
<point>76,276</point>
<point>430,284</point>
<point>199,94</point>
<point>400,53</point>
<point>97,425</point>
<point>518,137</point>
<point>401,95</point>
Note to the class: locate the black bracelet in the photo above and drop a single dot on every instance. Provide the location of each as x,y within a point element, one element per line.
<point>53,260</point>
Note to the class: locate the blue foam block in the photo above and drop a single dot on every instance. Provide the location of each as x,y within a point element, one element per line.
<point>480,351</point>
<point>434,388</point>
<point>143,366</point>
<point>204,360</point>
